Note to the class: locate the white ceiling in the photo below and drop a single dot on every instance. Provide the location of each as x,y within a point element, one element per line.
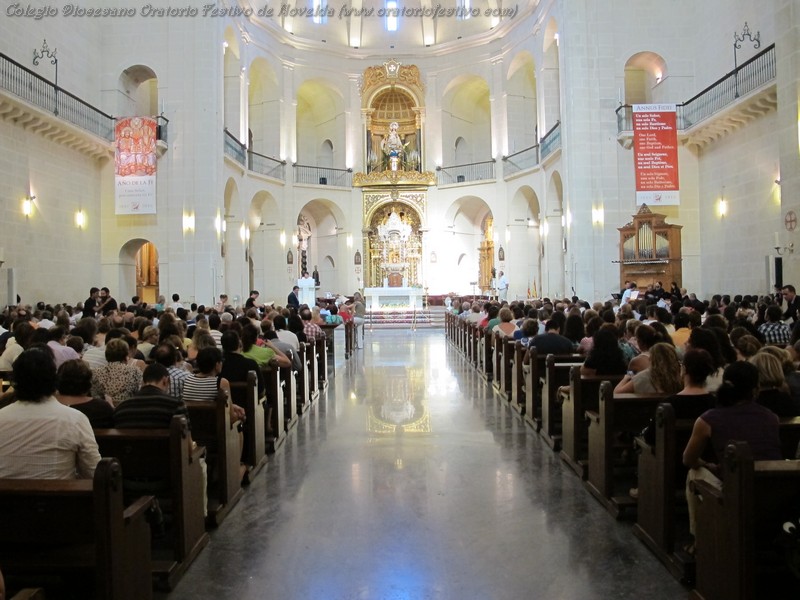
<point>356,24</point>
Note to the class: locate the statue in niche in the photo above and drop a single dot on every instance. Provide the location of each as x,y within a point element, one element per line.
<point>392,145</point>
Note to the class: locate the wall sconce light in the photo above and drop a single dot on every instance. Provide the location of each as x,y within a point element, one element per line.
<point>242,232</point>
<point>778,181</point>
<point>80,219</point>
<point>188,222</point>
<point>569,219</point>
<point>27,206</point>
<point>722,208</point>
<point>531,222</point>
<point>508,235</point>
<point>283,239</point>
<point>295,241</point>
<point>598,216</point>
<point>544,228</point>
<point>349,240</point>
<point>218,224</point>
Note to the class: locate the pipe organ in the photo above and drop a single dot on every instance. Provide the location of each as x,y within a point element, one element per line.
<point>650,250</point>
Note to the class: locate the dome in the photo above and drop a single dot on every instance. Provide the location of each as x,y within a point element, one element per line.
<point>393,105</point>
<point>354,25</point>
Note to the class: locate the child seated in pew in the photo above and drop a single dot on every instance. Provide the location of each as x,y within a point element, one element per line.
<point>737,417</point>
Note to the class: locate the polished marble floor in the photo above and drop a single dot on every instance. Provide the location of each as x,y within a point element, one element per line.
<point>410,481</point>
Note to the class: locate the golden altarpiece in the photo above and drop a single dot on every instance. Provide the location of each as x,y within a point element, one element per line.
<point>650,250</point>
<point>394,187</point>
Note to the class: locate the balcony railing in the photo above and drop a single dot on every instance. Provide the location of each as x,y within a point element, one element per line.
<point>551,141</point>
<point>266,165</point>
<point>519,161</point>
<point>479,171</point>
<point>234,148</point>
<point>749,77</point>
<point>323,176</point>
<point>27,85</point>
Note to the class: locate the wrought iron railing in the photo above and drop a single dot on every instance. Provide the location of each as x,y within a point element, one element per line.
<point>266,165</point>
<point>478,171</point>
<point>234,148</point>
<point>323,176</point>
<point>519,161</point>
<point>27,85</point>
<point>551,141</point>
<point>749,77</point>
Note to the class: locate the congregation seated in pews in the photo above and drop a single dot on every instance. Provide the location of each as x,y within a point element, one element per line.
<point>180,435</point>
<point>629,442</point>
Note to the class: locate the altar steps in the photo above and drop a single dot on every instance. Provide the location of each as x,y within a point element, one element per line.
<point>430,318</point>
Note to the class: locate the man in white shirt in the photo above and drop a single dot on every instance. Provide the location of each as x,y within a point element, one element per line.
<point>502,286</point>
<point>40,438</point>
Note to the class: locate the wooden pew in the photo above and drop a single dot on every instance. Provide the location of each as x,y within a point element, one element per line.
<point>505,383</point>
<point>350,338</point>
<point>254,453</point>
<point>72,527</point>
<point>212,428</point>
<point>160,462</point>
<point>288,378</point>
<point>736,556</point>
<point>660,525</point>
<point>487,366</point>
<point>303,395</point>
<point>518,378</point>
<point>615,415</point>
<point>534,381</point>
<point>312,362</point>
<point>276,424</point>
<point>474,343</point>
<point>584,393</point>
<point>322,346</point>
<point>556,374</point>
<point>662,478</point>
<point>497,360</point>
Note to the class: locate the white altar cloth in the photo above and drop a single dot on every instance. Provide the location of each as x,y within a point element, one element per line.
<point>393,298</point>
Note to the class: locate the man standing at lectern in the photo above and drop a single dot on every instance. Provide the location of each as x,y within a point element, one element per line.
<point>502,287</point>
<point>293,300</point>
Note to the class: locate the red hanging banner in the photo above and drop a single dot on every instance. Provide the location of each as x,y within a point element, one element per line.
<point>655,152</point>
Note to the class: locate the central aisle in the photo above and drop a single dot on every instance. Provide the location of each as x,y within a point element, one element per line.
<point>410,481</point>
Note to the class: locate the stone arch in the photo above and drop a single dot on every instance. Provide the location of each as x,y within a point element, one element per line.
<point>643,71</point>
<point>232,83</point>
<point>326,222</point>
<point>263,112</point>
<point>466,221</point>
<point>466,113</point>
<point>139,271</point>
<point>325,156</point>
<point>138,92</point>
<point>550,83</point>
<point>522,103</point>
<point>320,116</point>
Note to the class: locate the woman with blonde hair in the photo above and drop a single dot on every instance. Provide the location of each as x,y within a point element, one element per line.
<point>773,392</point>
<point>663,376</point>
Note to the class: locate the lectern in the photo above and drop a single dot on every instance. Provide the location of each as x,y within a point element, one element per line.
<point>307,293</point>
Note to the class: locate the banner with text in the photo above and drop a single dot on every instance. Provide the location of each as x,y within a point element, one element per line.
<point>135,166</point>
<point>655,152</point>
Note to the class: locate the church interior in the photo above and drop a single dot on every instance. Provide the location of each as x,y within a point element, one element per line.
<point>402,151</point>
<point>502,137</point>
